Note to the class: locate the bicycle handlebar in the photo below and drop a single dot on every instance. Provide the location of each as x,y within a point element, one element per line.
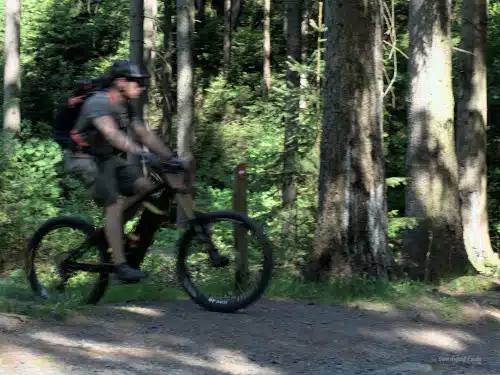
<point>174,165</point>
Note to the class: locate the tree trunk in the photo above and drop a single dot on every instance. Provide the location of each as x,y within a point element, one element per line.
<point>137,35</point>
<point>136,55</point>
<point>471,134</point>
<point>304,47</point>
<point>293,31</point>
<point>12,67</point>
<point>149,53</point>
<point>185,87</point>
<point>168,100</point>
<point>435,248</point>
<point>235,13</point>
<point>321,7</point>
<point>351,237</point>
<point>227,36</point>
<point>267,46</point>
<point>200,9</point>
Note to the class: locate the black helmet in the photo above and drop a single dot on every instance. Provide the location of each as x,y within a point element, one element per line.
<point>126,69</point>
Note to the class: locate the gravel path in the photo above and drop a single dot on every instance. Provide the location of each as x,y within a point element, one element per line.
<point>269,338</point>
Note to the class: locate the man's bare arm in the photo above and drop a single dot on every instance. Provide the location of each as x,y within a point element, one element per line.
<point>152,141</point>
<point>115,136</point>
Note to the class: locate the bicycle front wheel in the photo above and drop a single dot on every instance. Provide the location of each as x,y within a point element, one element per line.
<point>241,278</point>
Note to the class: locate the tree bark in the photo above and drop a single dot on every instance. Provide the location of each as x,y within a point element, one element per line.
<point>293,31</point>
<point>185,87</point>
<point>227,36</point>
<point>471,134</point>
<point>136,53</point>
<point>267,46</point>
<point>200,9</point>
<point>351,236</point>
<point>137,33</point>
<point>149,53</point>
<point>235,13</point>
<point>435,248</point>
<point>168,100</point>
<point>12,67</point>
<point>304,47</point>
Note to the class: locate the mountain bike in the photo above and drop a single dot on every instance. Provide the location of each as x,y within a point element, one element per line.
<point>91,256</point>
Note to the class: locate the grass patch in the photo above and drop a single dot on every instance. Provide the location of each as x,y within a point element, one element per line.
<point>16,297</point>
<point>469,285</point>
<point>343,290</point>
<point>142,292</point>
<point>407,296</point>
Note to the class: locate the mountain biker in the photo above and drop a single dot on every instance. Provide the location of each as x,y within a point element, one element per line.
<point>100,134</point>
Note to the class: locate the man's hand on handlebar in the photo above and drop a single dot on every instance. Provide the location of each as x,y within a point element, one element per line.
<point>156,161</point>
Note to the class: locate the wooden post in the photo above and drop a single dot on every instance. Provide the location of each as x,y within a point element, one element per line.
<point>240,235</point>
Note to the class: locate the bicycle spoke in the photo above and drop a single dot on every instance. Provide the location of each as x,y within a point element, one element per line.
<point>232,272</point>
<point>62,266</point>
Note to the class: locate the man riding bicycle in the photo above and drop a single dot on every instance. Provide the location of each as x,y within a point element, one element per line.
<point>99,134</point>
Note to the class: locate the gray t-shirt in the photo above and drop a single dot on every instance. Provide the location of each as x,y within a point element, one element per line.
<point>98,105</point>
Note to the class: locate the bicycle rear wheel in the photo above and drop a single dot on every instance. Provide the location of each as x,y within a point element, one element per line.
<point>231,287</point>
<point>49,244</point>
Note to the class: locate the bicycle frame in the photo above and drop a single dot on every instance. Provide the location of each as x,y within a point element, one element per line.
<point>172,181</point>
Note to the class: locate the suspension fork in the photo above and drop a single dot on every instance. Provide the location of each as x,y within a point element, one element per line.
<point>185,200</point>
<point>201,231</point>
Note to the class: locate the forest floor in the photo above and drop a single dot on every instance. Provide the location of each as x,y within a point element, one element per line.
<point>275,336</point>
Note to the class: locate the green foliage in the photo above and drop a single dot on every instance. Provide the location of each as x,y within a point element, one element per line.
<point>398,224</point>
<point>493,146</point>
<point>493,53</point>
<point>63,41</point>
<point>409,296</point>
<point>395,181</point>
<point>33,189</point>
<point>237,126</point>
<point>29,188</point>
<point>66,40</point>
<point>247,54</point>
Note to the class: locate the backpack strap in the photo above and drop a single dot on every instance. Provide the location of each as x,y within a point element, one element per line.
<point>113,96</point>
<point>77,138</point>
<point>76,100</point>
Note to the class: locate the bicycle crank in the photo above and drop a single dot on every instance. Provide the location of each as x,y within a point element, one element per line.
<point>62,271</point>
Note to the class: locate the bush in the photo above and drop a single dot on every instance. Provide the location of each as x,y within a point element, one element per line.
<point>32,190</point>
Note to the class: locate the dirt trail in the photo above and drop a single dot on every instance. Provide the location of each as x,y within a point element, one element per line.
<point>269,338</point>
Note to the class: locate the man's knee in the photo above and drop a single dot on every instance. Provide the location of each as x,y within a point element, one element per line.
<point>142,185</point>
<point>106,192</point>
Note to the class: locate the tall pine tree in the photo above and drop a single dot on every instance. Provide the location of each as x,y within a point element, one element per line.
<point>351,238</point>
<point>435,248</point>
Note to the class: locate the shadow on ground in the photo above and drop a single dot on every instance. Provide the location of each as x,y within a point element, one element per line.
<point>272,337</point>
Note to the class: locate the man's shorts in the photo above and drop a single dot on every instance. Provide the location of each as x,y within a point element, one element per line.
<point>105,178</point>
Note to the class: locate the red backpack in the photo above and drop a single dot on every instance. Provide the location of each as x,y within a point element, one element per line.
<point>69,111</point>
